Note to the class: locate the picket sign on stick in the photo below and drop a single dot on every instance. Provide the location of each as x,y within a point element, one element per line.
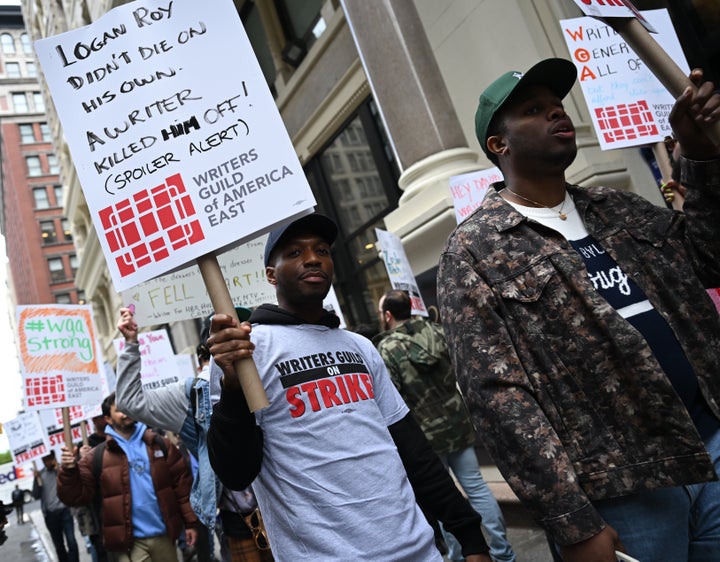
<point>219,294</point>
<point>659,62</point>
<point>67,429</point>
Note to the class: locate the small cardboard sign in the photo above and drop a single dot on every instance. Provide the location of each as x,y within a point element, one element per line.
<point>629,106</point>
<point>58,356</point>
<point>159,366</point>
<point>399,270</point>
<point>27,439</point>
<point>469,190</point>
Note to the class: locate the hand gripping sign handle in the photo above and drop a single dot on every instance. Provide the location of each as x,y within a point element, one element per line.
<point>659,62</point>
<point>245,369</point>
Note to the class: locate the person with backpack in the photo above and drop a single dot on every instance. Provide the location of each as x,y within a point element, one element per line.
<point>144,484</point>
<point>417,359</point>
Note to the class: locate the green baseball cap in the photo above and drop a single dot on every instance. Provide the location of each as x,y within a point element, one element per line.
<point>557,74</point>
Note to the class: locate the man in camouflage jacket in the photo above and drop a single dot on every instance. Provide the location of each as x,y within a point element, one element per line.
<point>417,359</point>
<point>572,401</point>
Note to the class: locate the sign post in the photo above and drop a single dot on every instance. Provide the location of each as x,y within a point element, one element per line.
<point>245,369</point>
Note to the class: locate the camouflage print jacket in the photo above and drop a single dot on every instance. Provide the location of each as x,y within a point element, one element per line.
<point>573,405</point>
<point>417,358</point>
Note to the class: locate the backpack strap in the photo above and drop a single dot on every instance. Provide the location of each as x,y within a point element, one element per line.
<point>98,461</point>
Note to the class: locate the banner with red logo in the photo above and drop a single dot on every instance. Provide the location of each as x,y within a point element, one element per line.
<point>59,356</point>
<point>174,133</point>
<point>628,105</point>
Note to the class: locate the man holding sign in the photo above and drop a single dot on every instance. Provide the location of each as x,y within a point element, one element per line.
<point>336,451</point>
<point>584,342</point>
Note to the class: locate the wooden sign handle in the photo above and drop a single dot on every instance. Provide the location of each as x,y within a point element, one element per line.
<point>83,430</point>
<point>67,430</point>
<point>245,369</point>
<point>659,62</point>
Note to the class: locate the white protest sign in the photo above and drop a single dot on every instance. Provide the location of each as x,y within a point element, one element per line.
<point>59,356</point>
<point>26,437</point>
<point>53,427</point>
<point>469,190</point>
<point>399,270</point>
<point>158,364</point>
<point>182,295</point>
<point>179,148</point>
<point>628,104</point>
<point>106,374</point>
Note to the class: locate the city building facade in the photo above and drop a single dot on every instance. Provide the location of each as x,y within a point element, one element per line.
<point>40,248</point>
<point>379,99</point>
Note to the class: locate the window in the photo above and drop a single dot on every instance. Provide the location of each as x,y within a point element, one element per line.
<point>45,132</point>
<point>302,24</point>
<point>20,104</point>
<point>27,134</point>
<point>41,198</point>
<point>39,102</point>
<point>48,233</point>
<point>358,194</point>
<point>31,69</point>
<point>33,166</point>
<point>67,232</point>
<point>8,43</point>
<point>12,69</point>
<point>58,190</point>
<point>57,269</point>
<point>74,263</point>
<point>27,47</point>
<point>63,298</point>
<point>53,164</point>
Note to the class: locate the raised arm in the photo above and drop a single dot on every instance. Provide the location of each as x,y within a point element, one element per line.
<point>164,407</point>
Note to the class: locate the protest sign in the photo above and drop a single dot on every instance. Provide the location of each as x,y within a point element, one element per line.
<point>182,295</point>
<point>628,105</point>
<point>54,427</point>
<point>58,356</point>
<point>179,148</point>
<point>27,439</point>
<point>468,190</point>
<point>399,270</point>
<point>158,364</point>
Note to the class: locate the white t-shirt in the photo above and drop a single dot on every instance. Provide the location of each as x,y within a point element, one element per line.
<point>332,485</point>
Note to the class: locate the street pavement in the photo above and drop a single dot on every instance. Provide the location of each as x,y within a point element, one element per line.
<point>31,542</point>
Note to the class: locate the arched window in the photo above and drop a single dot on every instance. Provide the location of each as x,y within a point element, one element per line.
<point>8,43</point>
<point>26,45</point>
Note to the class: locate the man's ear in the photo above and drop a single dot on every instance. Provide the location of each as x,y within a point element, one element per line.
<point>496,145</point>
<point>270,275</point>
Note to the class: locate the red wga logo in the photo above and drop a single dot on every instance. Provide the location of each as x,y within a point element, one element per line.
<point>146,227</point>
<point>626,121</point>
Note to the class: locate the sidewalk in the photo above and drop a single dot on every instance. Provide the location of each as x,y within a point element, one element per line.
<point>31,541</point>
